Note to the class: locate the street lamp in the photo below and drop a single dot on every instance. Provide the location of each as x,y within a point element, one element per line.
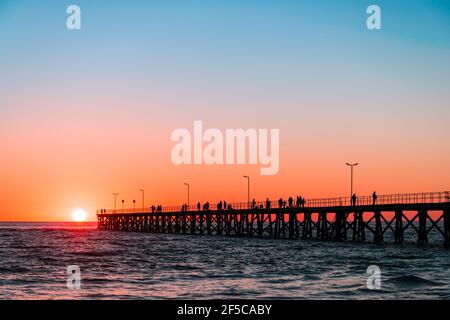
<point>187,184</point>
<point>143,205</point>
<point>115,198</point>
<point>122,205</point>
<point>351,165</point>
<point>248,191</point>
<point>134,205</point>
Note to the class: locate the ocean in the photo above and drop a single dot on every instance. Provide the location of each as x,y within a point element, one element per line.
<point>34,258</point>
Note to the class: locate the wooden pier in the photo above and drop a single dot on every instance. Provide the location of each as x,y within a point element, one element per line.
<point>333,219</point>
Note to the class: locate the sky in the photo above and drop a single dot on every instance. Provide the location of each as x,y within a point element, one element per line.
<point>85,113</point>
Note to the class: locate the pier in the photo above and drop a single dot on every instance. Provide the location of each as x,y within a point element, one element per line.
<point>329,219</point>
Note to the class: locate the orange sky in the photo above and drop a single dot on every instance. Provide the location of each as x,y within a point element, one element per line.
<point>46,174</point>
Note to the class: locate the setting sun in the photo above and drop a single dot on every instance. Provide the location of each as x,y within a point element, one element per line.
<point>79,215</point>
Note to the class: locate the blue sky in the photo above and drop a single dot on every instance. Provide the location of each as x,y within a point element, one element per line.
<point>310,68</point>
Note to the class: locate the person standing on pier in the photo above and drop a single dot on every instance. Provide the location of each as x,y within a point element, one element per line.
<point>267,203</point>
<point>253,203</point>
<point>374,197</point>
<point>291,202</point>
<point>280,203</point>
<point>354,199</point>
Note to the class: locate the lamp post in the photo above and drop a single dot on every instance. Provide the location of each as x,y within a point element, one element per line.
<point>134,205</point>
<point>248,191</point>
<point>115,194</point>
<point>351,165</point>
<point>143,203</point>
<point>188,186</point>
<point>122,205</point>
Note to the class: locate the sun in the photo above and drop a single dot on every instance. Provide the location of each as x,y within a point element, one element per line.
<point>79,215</point>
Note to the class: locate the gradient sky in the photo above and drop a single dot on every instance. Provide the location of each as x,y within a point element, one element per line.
<point>90,112</point>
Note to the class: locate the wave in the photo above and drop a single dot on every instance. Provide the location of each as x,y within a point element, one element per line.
<point>411,280</point>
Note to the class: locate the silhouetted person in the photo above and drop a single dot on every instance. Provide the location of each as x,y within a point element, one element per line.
<point>198,206</point>
<point>353,199</point>
<point>303,202</point>
<point>153,209</point>
<point>229,207</point>
<point>284,204</point>
<point>219,206</point>
<point>374,197</point>
<point>291,201</point>
<point>225,205</point>
<point>267,203</point>
<point>298,203</point>
<point>280,203</point>
<point>253,203</point>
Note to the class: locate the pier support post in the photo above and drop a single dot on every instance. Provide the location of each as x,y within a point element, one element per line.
<point>283,224</point>
<point>193,220</point>
<point>378,237</point>
<point>339,225</point>
<point>167,223</point>
<point>322,226</point>
<point>202,217</point>
<point>423,235</point>
<point>228,223</point>
<point>164,226</point>
<point>398,231</point>
<point>153,223</point>
<point>208,223</point>
<point>359,233</point>
<point>446,214</point>
<point>248,220</point>
<point>307,226</point>
<point>183,223</point>
<point>260,223</point>
<point>219,223</point>
<point>277,225</point>
<point>292,220</point>
<point>177,224</point>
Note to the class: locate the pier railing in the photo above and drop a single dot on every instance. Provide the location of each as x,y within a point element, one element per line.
<point>401,198</point>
